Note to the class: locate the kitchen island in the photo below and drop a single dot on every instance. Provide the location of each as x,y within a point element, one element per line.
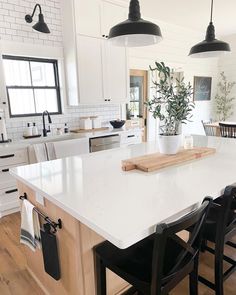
<point>96,200</point>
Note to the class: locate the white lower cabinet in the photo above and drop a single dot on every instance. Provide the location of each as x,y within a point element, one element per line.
<point>130,137</point>
<point>9,199</point>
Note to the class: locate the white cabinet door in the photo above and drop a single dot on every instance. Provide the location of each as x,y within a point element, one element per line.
<point>87,17</point>
<point>116,73</point>
<point>90,69</point>
<point>111,15</point>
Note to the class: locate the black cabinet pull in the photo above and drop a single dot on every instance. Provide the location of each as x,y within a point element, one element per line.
<point>103,36</point>
<point>11,191</point>
<point>7,156</point>
<point>129,136</point>
<point>5,170</point>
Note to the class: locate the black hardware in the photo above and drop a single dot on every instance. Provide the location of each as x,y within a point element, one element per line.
<point>5,170</point>
<point>109,99</point>
<point>4,102</point>
<point>7,156</point>
<point>105,99</point>
<point>11,191</point>
<point>129,136</point>
<point>53,224</point>
<point>145,122</point>
<point>103,36</point>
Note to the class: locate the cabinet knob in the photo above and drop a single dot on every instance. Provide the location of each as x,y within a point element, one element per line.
<point>107,37</point>
<point>105,99</point>
<point>4,102</point>
<point>103,36</point>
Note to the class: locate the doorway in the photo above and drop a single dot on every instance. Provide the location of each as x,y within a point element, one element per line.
<point>135,109</point>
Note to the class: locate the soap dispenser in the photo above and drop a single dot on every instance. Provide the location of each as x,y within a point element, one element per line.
<point>35,130</point>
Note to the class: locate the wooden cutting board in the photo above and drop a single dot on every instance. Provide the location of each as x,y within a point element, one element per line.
<point>158,161</point>
<point>88,130</point>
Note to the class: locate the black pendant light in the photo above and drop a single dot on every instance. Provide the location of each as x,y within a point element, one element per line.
<point>135,31</point>
<point>210,47</point>
<point>40,26</point>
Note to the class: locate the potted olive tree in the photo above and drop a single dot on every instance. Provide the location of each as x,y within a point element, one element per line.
<point>171,104</point>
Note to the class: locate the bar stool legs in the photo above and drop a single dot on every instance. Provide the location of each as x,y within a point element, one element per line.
<point>193,278</point>
<point>219,273</point>
<point>101,276</point>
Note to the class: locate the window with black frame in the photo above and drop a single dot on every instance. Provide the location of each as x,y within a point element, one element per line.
<point>32,85</point>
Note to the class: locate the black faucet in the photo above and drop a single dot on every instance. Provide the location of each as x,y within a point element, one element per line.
<point>45,131</point>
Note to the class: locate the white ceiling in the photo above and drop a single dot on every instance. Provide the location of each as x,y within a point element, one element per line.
<point>194,14</point>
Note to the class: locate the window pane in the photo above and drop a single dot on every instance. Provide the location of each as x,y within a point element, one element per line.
<point>21,101</point>
<point>42,74</point>
<point>17,72</point>
<point>46,99</point>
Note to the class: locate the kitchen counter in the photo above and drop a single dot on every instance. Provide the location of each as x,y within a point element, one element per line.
<point>23,143</point>
<point>124,207</point>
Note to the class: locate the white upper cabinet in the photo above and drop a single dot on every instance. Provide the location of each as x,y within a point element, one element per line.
<point>111,15</point>
<point>90,69</point>
<point>116,73</point>
<point>102,70</point>
<point>88,17</point>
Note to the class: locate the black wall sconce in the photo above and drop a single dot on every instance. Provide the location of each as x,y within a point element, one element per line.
<point>40,26</point>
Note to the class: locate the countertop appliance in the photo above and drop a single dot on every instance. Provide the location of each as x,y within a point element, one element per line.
<point>104,143</point>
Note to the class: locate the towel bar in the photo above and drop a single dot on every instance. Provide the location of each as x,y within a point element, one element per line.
<point>46,218</point>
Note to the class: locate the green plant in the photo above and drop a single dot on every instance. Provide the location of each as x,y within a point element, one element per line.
<point>172,99</point>
<point>223,99</point>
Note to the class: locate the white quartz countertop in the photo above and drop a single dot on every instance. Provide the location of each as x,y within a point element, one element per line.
<point>124,207</point>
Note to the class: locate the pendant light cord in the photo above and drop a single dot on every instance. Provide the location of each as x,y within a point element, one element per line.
<point>211,10</point>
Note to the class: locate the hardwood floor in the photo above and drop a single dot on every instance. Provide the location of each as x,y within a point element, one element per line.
<point>15,279</point>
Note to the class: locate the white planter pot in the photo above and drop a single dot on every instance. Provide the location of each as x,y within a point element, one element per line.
<point>169,145</point>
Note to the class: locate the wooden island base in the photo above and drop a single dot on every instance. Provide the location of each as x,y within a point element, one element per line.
<point>75,244</point>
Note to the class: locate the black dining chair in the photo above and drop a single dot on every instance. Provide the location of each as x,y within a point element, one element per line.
<point>155,265</point>
<point>209,130</point>
<point>219,229</point>
<point>227,130</point>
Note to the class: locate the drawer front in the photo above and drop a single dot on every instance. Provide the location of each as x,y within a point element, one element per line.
<point>13,158</point>
<point>131,138</point>
<point>6,179</point>
<point>8,195</point>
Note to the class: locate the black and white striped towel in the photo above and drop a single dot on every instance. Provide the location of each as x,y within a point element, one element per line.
<point>30,226</point>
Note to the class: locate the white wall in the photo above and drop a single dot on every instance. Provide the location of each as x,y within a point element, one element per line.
<point>173,50</point>
<point>227,64</point>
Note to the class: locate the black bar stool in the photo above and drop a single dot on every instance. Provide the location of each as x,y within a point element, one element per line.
<point>155,265</point>
<point>219,229</point>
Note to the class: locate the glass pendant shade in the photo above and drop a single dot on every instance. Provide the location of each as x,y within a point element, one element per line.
<point>135,31</point>
<point>210,47</point>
